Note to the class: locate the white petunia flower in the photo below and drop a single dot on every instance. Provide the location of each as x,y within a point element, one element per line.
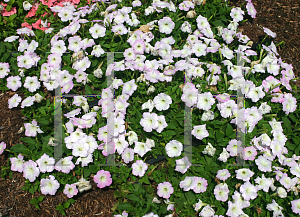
<point>141,148</point>
<point>200,132</point>
<point>162,101</point>
<point>205,101</point>
<point>174,148</point>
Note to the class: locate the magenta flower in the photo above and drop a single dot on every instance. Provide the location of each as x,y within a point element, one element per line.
<point>103,178</point>
<point>165,190</point>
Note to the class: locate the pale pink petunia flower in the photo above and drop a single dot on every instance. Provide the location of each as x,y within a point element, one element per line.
<point>70,190</point>
<point>165,190</point>
<point>103,178</point>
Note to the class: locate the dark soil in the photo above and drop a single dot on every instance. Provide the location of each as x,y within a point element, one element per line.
<point>280,16</point>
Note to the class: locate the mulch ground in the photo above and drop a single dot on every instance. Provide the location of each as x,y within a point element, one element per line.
<point>280,16</point>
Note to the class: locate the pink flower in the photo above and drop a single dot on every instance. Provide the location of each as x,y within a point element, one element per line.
<point>269,32</point>
<point>103,178</point>
<point>200,185</point>
<point>8,13</point>
<point>70,190</point>
<point>49,3</point>
<point>67,87</point>
<point>289,103</point>
<point>33,10</point>
<point>139,47</point>
<point>26,25</point>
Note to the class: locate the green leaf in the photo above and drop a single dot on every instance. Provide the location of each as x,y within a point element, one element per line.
<point>290,145</point>
<point>67,204</point>
<point>43,121</point>
<point>40,198</point>
<point>293,118</point>
<point>86,172</point>
<point>229,130</point>
<point>296,140</point>
<point>145,180</point>
<point>189,196</point>
<point>28,140</point>
<point>180,202</point>
<point>175,181</point>
<point>220,135</point>
<point>8,7</point>
<point>19,148</point>
<point>33,201</point>
<point>218,23</point>
<point>12,17</point>
<point>297,150</point>
<point>170,132</point>
<point>88,89</point>
<point>59,207</point>
<point>125,206</point>
<point>287,124</point>
<point>31,190</point>
<point>133,197</point>
<point>67,58</point>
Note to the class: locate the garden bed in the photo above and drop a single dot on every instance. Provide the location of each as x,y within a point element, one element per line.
<point>281,16</point>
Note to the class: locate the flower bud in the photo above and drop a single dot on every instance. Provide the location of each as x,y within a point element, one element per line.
<point>21,130</point>
<point>26,5</point>
<point>38,97</point>
<point>199,2</point>
<point>281,192</point>
<point>51,142</point>
<point>191,14</point>
<point>150,90</point>
<point>85,107</point>
<point>98,73</point>
<point>155,200</point>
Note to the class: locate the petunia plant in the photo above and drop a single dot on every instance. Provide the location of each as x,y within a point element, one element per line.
<point>127,75</point>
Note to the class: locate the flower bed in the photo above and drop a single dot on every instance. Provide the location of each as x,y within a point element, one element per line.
<point>185,73</point>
